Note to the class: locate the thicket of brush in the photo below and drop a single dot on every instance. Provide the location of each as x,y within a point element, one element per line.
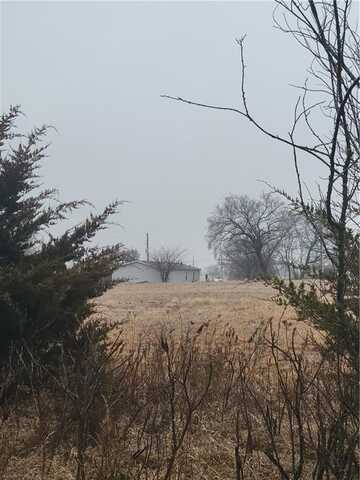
<point>202,405</point>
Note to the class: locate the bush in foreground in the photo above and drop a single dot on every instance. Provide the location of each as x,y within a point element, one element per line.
<point>46,281</point>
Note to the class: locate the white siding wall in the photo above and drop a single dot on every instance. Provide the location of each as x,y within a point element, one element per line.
<point>197,275</point>
<point>184,276</point>
<point>179,276</point>
<point>136,272</point>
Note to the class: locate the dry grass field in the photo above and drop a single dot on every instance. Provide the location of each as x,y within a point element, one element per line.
<point>137,427</point>
<point>143,309</point>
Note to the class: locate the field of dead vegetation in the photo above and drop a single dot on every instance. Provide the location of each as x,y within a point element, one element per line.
<point>188,397</point>
<point>144,309</point>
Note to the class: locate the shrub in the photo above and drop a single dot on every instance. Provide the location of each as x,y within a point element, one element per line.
<point>46,281</point>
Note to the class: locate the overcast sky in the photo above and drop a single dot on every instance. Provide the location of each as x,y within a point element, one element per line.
<point>96,72</point>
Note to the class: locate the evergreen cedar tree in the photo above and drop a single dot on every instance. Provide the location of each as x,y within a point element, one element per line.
<point>45,281</point>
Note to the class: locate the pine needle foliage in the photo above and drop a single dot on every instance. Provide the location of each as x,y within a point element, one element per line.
<point>46,281</point>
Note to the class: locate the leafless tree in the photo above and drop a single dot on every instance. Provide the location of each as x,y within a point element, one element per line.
<point>301,251</point>
<point>327,30</point>
<point>248,232</point>
<point>165,260</point>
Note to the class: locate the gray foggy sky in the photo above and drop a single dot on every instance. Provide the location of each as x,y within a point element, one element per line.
<point>96,71</point>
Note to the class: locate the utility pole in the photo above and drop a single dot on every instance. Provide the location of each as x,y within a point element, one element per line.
<point>147,248</point>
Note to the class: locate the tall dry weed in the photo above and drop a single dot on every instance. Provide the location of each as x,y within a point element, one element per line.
<point>205,404</point>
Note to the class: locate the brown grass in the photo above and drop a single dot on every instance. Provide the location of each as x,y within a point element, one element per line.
<point>143,309</point>
<point>165,352</point>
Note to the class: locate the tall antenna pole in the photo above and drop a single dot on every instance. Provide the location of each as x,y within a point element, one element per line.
<point>147,248</point>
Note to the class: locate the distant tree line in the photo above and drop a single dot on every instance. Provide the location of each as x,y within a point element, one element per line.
<point>263,237</point>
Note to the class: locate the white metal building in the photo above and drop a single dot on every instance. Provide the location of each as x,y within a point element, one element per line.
<point>140,271</point>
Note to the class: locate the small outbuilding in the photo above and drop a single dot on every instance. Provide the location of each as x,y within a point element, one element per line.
<point>140,271</point>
